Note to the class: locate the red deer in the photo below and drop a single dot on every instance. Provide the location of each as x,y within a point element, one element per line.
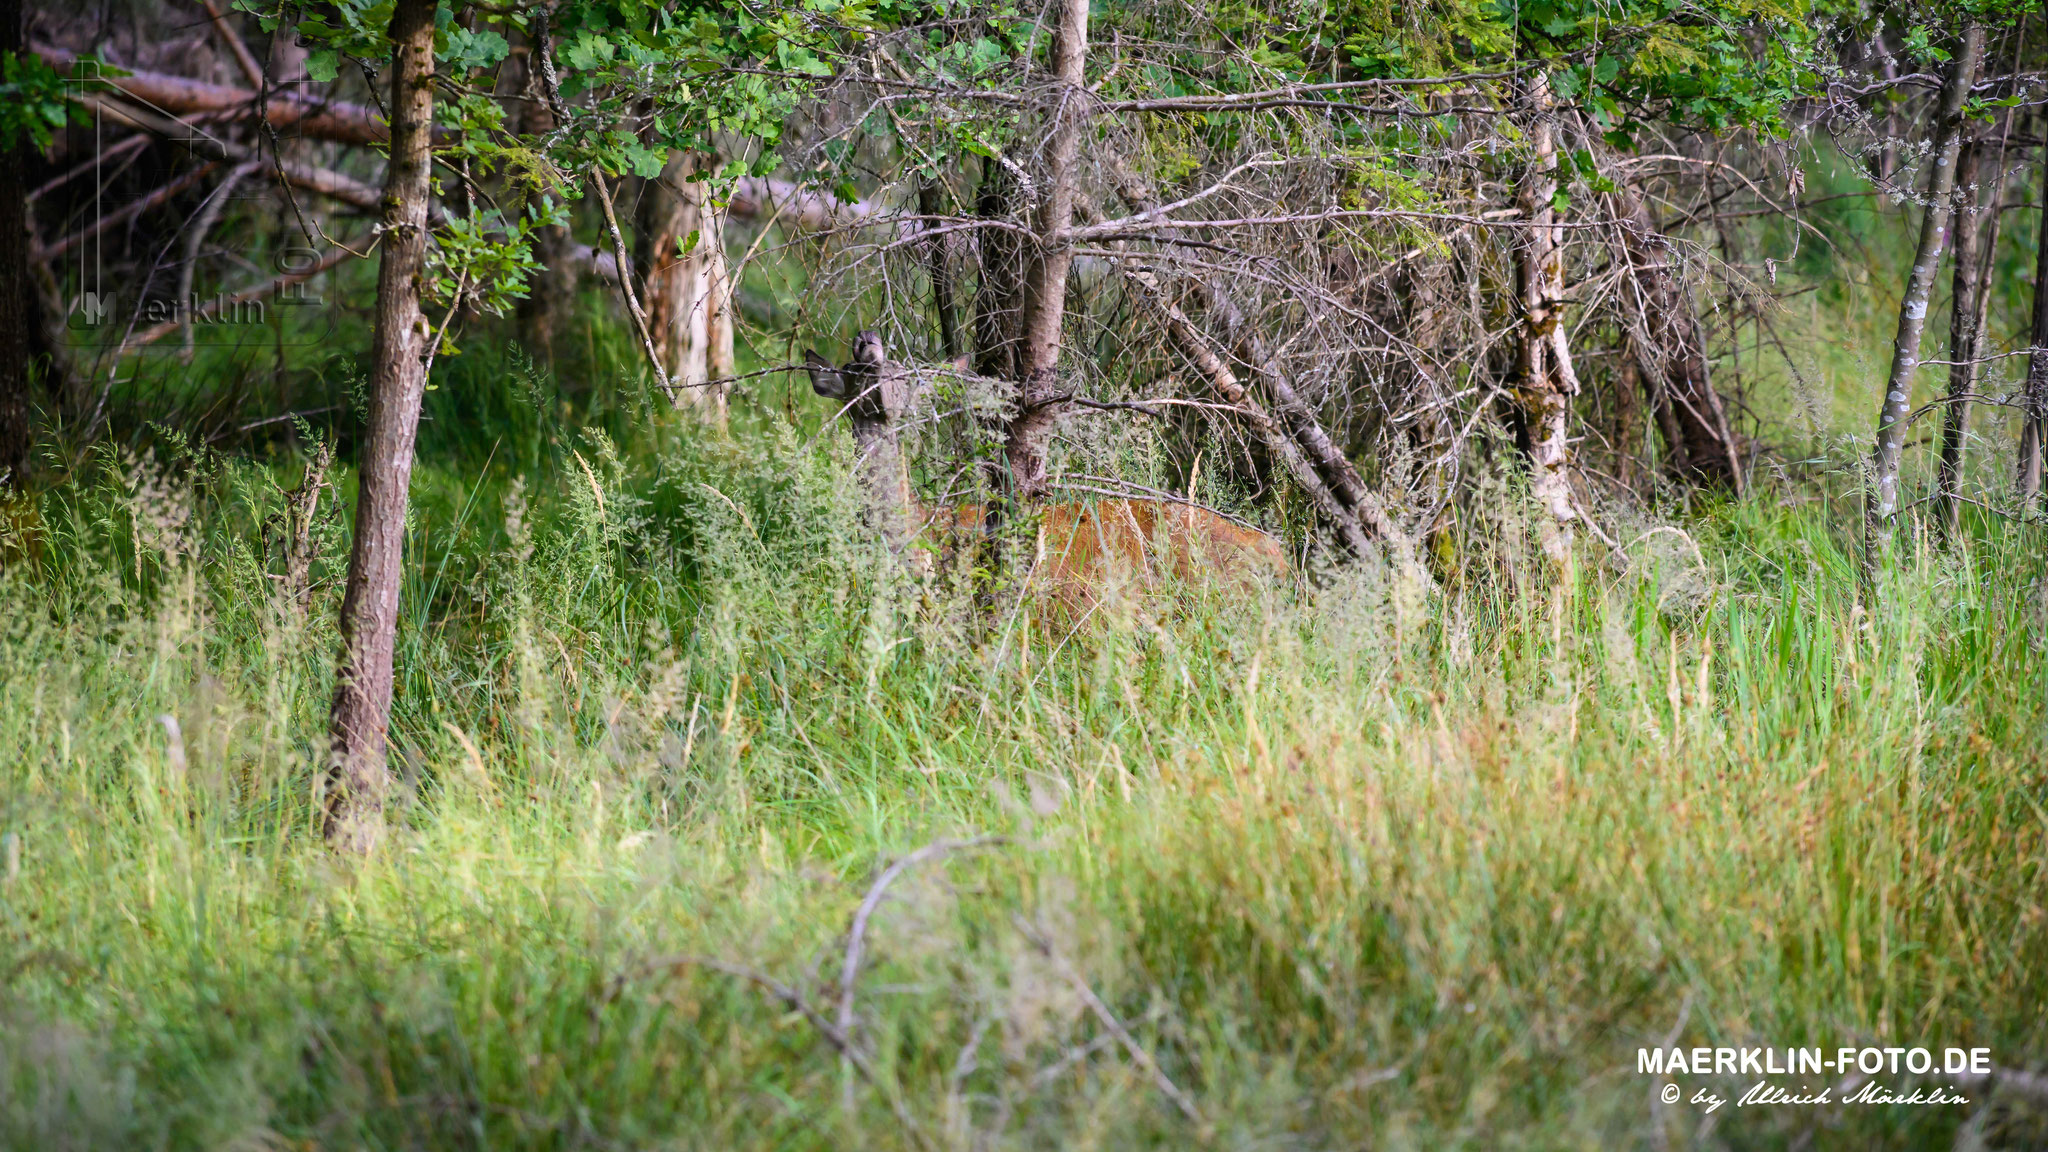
<point>1080,547</point>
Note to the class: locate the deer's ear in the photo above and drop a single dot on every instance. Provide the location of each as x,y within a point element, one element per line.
<point>959,363</point>
<point>825,379</point>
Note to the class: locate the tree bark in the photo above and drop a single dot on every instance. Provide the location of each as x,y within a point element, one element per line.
<point>1969,295</point>
<point>998,288</point>
<point>931,204</point>
<point>545,310</point>
<point>1882,502</point>
<point>1670,351</point>
<point>358,778</point>
<point>18,320</point>
<point>2034,398</point>
<point>689,297</point>
<point>1545,383</point>
<point>1628,414</point>
<point>1039,399</point>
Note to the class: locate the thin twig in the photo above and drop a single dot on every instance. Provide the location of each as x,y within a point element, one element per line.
<point>1109,1021</point>
<point>856,935</point>
<point>798,1001</point>
<point>552,88</point>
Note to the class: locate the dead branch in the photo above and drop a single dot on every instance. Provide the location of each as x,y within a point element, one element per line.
<point>1142,1058</point>
<point>856,935</point>
<point>802,1005</point>
<point>318,118</point>
<point>122,215</point>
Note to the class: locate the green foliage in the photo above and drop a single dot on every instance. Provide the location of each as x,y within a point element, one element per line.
<point>32,101</point>
<point>640,80</point>
<point>480,256</point>
<point>1739,63</point>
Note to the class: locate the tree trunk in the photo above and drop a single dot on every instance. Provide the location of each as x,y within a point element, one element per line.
<point>689,301</point>
<point>18,319</point>
<point>1976,246</point>
<point>1671,353</point>
<point>1039,400</point>
<point>1628,414</point>
<point>2034,402</point>
<point>545,310</point>
<point>1882,503</point>
<point>1545,382</point>
<point>358,778</point>
<point>998,289</point>
<point>931,204</point>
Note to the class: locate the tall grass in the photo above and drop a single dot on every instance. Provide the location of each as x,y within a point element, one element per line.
<point>1346,866</point>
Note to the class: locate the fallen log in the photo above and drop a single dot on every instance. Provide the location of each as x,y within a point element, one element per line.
<point>324,181</point>
<point>316,117</point>
<point>340,122</point>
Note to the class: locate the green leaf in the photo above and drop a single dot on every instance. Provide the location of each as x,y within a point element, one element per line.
<point>646,163</point>
<point>323,65</point>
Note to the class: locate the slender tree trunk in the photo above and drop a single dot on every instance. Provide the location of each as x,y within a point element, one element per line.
<point>18,317</point>
<point>1039,399</point>
<point>1976,245</point>
<point>2034,420</point>
<point>998,288</point>
<point>545,310</point>
<point>399,349</point>
<point>1882,503</point>
<point>1670,351</point>
<point>1545,382</point>
<point>689,299</point>
<point>931,204</point>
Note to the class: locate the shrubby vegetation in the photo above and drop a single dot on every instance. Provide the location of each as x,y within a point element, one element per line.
<point>1346,868</point>
<point>1616,693</point>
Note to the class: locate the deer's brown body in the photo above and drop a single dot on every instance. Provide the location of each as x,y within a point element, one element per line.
<point>1079,549</point>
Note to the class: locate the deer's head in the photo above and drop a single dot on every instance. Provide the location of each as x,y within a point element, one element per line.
<point>871,389</point>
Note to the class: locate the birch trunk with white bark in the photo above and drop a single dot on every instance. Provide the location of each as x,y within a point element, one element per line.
<point>1881,504</point>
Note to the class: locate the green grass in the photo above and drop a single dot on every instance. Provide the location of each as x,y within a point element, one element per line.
<point>1353,866</point>
<point>1355,869</point>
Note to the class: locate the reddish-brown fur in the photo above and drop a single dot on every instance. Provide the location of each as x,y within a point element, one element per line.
<point>1082,548</point>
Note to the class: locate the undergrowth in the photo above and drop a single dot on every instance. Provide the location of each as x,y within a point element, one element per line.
<point>1336,865</point>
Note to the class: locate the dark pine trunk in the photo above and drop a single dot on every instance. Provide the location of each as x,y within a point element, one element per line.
<point>2035,397</point>
<point>1671,355</point>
